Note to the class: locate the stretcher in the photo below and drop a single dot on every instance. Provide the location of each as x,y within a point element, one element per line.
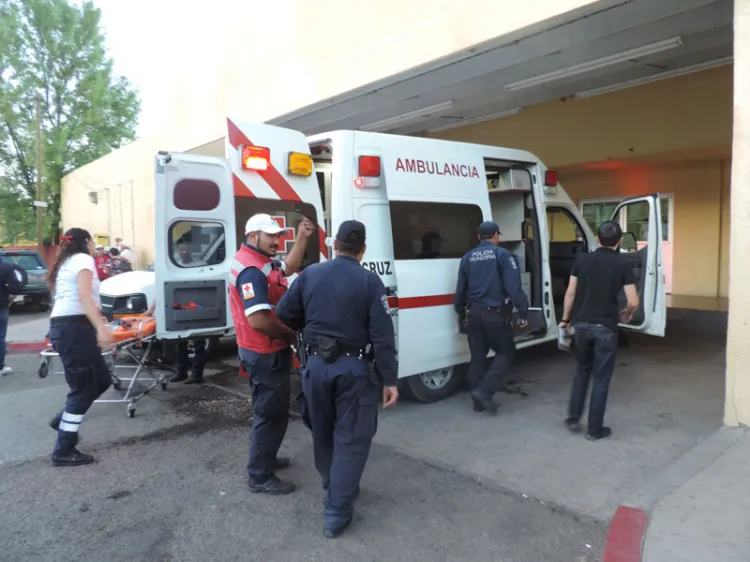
<point>128,333</point>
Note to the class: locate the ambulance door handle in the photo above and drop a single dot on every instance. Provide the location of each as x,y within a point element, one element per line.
<point>546,298</point>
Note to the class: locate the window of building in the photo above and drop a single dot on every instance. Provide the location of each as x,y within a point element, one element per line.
<point>288,214</point>
<point>196,195</point>
<point>433,230</point>
<point>196,243</point>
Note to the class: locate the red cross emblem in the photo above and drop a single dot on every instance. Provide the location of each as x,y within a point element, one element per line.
<point>287,236</point>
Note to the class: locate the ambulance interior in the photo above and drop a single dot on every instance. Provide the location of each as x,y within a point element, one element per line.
<point>513,209</point>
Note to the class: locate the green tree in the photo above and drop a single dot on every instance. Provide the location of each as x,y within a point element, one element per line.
<point>55,50</point>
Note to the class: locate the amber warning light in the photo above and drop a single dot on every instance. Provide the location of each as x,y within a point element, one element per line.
<point>256,158</point>
<point>368,170</point>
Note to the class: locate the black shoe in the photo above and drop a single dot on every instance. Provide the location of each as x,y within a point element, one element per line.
<point>73,458</point>
<point>179,378</point>
<point>54,423</point>
<point>333,533</point>
<point>194,380</point>
<point>481,400</point>
<point>573,425</point>
<point>282,463</point>
<point>273,486</point>
<point>603,433</point>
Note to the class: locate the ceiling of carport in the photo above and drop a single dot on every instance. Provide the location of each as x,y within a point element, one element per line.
<point>475,82</point>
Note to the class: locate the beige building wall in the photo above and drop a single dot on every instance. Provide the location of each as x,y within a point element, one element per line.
<point>672,136</point>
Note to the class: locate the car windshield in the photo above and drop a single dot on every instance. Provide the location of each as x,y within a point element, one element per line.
<point>29,262</point>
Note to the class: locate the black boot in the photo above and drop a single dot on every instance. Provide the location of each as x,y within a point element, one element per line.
<point>72,458</point>
<point>274,486</point>
<point>484,401</point>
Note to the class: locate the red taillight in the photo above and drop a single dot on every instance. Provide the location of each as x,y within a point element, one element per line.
<point>550,178</point>
<point>256,158</point>
<point>369,166</point>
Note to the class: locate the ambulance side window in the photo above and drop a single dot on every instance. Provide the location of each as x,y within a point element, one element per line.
<point>196,244</point>
<point>433,230</point>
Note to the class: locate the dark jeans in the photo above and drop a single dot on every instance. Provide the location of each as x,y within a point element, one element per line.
<point>4,312</point>
<point>86,372</point>
<point>269,380</point>
<point>595,348</point>
<point>489,329</point>
<point>199,359</point>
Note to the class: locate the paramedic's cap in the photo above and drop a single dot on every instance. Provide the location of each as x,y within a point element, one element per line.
<point>98,246</point>
<point>262,223</point>
<point>488,229</point>
<point>351,232</point>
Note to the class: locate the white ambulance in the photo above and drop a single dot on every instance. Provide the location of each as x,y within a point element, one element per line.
<point>421,201</point>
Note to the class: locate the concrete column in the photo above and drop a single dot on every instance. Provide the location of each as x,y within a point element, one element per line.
<point>737,401</point>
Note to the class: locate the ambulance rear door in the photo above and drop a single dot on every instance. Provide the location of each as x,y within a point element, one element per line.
<point>437,196</point>
<point>194,242</point>
<point>642,247</point>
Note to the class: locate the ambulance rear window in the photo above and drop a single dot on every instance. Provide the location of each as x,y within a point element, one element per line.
<point>196,195</point>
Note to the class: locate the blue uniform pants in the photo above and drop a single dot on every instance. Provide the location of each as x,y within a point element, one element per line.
<point>86,372</point>
<point>269,380</point>
<point>342,408</point>
<point>4,313</point>
<point>489,329</point>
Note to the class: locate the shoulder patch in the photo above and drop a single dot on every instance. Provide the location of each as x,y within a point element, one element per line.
<point>513,263</point>
<point>248,292</point>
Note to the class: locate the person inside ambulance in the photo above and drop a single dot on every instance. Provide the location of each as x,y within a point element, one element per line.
<point>489,284</point>
<point>257,282</point>
<point>432,244</point>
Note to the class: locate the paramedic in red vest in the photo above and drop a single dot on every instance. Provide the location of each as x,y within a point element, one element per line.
<point>257,282</point>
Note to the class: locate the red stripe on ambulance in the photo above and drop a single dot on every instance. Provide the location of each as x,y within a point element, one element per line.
<point>240,188</point>
<point>405,303</point>
<point>272,177</point>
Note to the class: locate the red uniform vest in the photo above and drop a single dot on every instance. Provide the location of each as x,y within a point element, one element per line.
<point>277,285</point>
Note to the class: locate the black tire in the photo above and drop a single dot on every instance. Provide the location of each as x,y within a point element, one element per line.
<point>131,413</point>
<point>415,388</point>
<point>43,370</point>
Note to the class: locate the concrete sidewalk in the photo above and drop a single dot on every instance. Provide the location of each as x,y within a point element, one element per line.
<point>27,335</point>
<point>697,509</point>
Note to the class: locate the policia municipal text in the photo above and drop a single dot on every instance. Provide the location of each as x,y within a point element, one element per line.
<point>347,349</point>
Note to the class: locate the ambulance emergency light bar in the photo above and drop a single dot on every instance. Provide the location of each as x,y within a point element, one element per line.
<point>596,64</point>
<point>258,159</point>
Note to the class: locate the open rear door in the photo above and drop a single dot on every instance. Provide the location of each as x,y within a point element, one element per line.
<point>194,244</point>
<point>642,246</point>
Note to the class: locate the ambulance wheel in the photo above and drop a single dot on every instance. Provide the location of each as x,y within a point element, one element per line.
<point>43,370</point>
<point>433,386</point>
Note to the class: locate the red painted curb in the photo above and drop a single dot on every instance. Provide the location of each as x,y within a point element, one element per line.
<point>17,347</point>
<point>624,542</point>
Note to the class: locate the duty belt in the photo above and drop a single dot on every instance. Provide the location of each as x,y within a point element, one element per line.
<point>349,352</point>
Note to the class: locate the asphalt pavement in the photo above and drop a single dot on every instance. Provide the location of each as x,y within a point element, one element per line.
<point>178,493</point>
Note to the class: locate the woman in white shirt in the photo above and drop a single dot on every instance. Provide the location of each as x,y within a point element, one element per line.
<point>77,332</point>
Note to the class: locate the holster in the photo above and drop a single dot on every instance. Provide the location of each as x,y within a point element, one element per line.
<point>373,375</point>
<point>328,349</point>
<point>301,351</point>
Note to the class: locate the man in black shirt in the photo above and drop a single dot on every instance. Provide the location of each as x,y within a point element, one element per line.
<point>595,282</point>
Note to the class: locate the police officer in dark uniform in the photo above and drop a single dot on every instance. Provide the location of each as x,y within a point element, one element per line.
<point>342,311</point>
<point>489,284</point>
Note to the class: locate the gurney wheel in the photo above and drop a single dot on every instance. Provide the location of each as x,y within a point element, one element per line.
<point>131,412</point>
<point>43,370</point>
<point>164,386</point>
